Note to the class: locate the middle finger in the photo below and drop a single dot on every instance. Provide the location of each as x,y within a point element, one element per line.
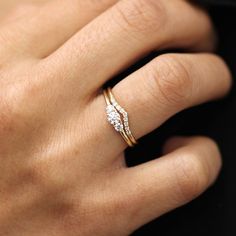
<point>38,30</point>
<point>128,30</point>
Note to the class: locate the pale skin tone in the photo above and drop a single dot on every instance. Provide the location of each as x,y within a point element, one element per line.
<point>62,164</point>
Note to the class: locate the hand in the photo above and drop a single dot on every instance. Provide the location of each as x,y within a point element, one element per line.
<point>16,8</point>
<point>62,164</point>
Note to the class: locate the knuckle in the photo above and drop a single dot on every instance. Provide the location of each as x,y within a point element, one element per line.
<point>192,177</point>
<point>172,79</point>
<point>142,15</point>
<point>9,118</point>
<point>43,177</point>
<point>17,109</point>
<point>30,175</point>
<point>15,98</point>
<point>22,94</point>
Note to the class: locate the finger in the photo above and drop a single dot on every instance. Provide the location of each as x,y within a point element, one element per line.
<point>5,7</point>
<point>45,27</point>
<point>152,189</point>
<point>165,86</point>
<point>130,29</point>
<point>12,9</point>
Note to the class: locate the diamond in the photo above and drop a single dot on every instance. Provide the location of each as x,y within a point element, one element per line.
<point>114,118</point>
<point>109,108</point>
<point>125,119</point>
<point>118,127</point>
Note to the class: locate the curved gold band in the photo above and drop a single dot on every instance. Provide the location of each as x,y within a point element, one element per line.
<point>118,117</point>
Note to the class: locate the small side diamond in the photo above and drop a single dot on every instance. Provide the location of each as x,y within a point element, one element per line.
<point>118,127</point>
<point>109,108</point>
<point>128,131</point>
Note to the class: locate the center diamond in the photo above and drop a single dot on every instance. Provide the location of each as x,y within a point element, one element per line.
<point>114,118</point>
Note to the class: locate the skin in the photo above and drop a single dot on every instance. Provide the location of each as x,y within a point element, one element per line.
<point>62,164</point>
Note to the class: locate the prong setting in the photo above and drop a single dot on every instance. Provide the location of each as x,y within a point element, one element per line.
<point>114,118</point>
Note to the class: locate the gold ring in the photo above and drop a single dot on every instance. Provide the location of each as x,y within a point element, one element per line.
<point>118,117</point>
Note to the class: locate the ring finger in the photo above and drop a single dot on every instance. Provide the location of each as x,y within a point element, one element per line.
<point>165,86</point>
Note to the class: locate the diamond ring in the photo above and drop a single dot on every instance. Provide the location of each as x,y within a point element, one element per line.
<point>118,117</point>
